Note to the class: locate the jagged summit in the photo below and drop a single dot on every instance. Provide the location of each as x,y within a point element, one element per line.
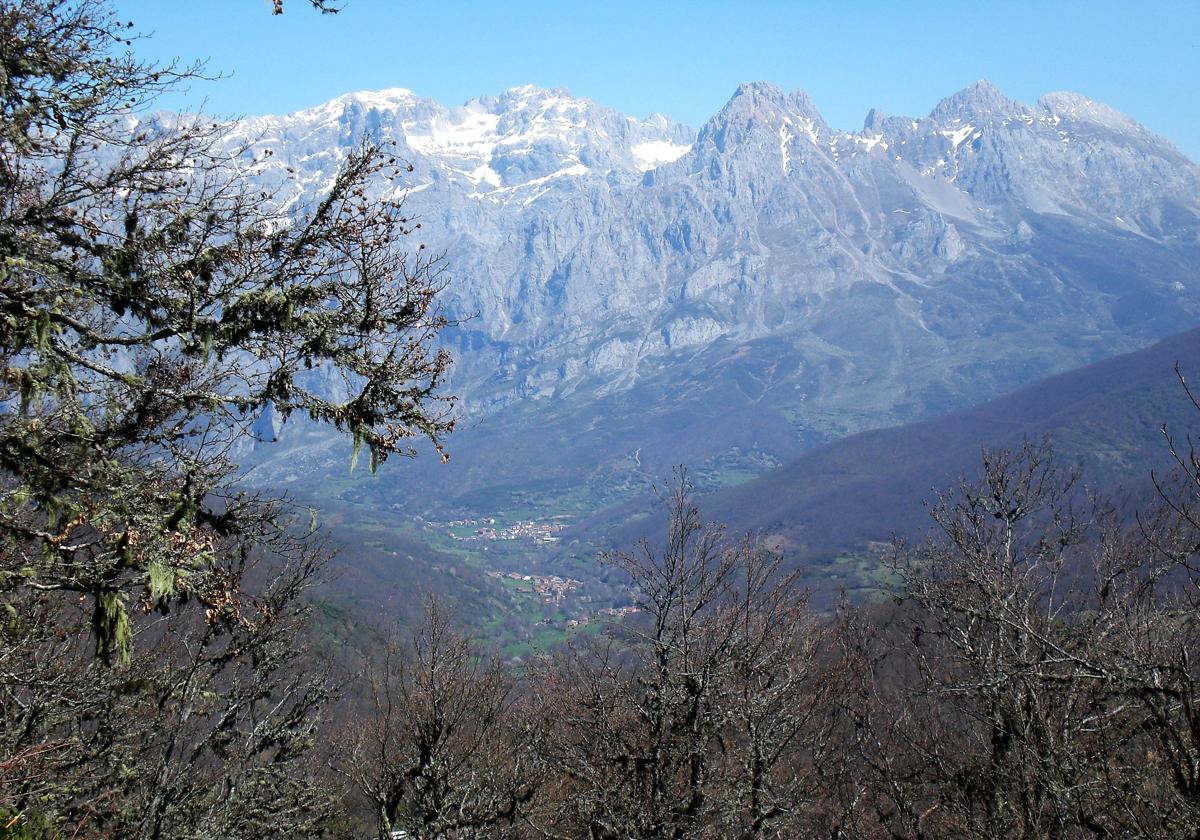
<point>795,278</point>
<point>1076,106</point>
<point>525,142</point>
<point>763,90</point>
<point>516,96</point>
<point>530,89</point>
<point>524,96</point>
<point>750,96</point>
<point>390,95</point>
<point>763,111</point>
<point>874,122</point>
<point>979,155</point>
<point>981,100</point>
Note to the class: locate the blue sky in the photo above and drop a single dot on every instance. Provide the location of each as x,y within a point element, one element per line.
<point>684,59</point>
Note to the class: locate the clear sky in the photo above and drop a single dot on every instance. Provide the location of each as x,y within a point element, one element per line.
<point>684,59</point>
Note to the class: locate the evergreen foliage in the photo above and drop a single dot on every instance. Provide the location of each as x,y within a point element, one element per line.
<point>154,302</point>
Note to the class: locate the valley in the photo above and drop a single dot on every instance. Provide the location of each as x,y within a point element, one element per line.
<point>831,511</point>
<point>771,285</point>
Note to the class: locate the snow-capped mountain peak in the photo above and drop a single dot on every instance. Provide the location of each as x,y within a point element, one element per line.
<point>497,148</point>
<point>918,264</point>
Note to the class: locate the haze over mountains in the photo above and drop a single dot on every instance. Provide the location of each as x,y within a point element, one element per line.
<point>1107,417</point>
<point>637,294</point>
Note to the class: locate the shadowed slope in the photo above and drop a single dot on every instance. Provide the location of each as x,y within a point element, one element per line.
<point>1107,416</point>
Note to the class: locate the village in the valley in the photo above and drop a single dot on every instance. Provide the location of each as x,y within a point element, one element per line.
<point>485,529</point>
<point>553,589</point>
<point>549,589</point>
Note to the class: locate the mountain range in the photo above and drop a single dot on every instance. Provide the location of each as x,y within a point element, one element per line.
<point>632,293</point>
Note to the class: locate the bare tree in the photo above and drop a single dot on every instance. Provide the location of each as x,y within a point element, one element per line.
<point>1043,684</point>
<point>995,656</point>
<point>206,733</point>
<point>778,696</point>
<point>701,716</point>
<point>441,752</point>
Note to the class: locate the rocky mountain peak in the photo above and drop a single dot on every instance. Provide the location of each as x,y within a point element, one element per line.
<point>1076,107</point>
<point>760,98</point>
<point>785,272</point>
<point>763,112</point>
<point>980,102</point>
<point>874,122</point>
<point>390,98</point>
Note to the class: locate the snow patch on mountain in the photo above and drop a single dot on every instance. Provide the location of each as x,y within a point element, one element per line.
<point>870,142</point>
<point>472,135</point>
<point>502,147</point>
<point>653,153</point>
<point>958,135</point>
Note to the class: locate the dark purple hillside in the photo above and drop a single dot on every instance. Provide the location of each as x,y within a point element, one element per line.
<point>1107,417</point>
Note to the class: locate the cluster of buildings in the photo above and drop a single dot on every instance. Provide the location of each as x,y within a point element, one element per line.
<point>552,588</point>
<point>538,532</point>
<point>618,612</point>
<point>611,612</point>
<point>485,528</point>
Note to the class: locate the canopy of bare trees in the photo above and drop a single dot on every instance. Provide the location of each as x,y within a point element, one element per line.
<point>1033,677</point>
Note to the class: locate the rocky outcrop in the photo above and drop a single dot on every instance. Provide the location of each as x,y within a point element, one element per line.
<point>913,266</point>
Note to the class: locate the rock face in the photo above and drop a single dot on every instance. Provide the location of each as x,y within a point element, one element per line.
<point>767,282</point>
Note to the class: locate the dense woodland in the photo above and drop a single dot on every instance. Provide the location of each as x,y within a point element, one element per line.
<point>1030,675</point>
